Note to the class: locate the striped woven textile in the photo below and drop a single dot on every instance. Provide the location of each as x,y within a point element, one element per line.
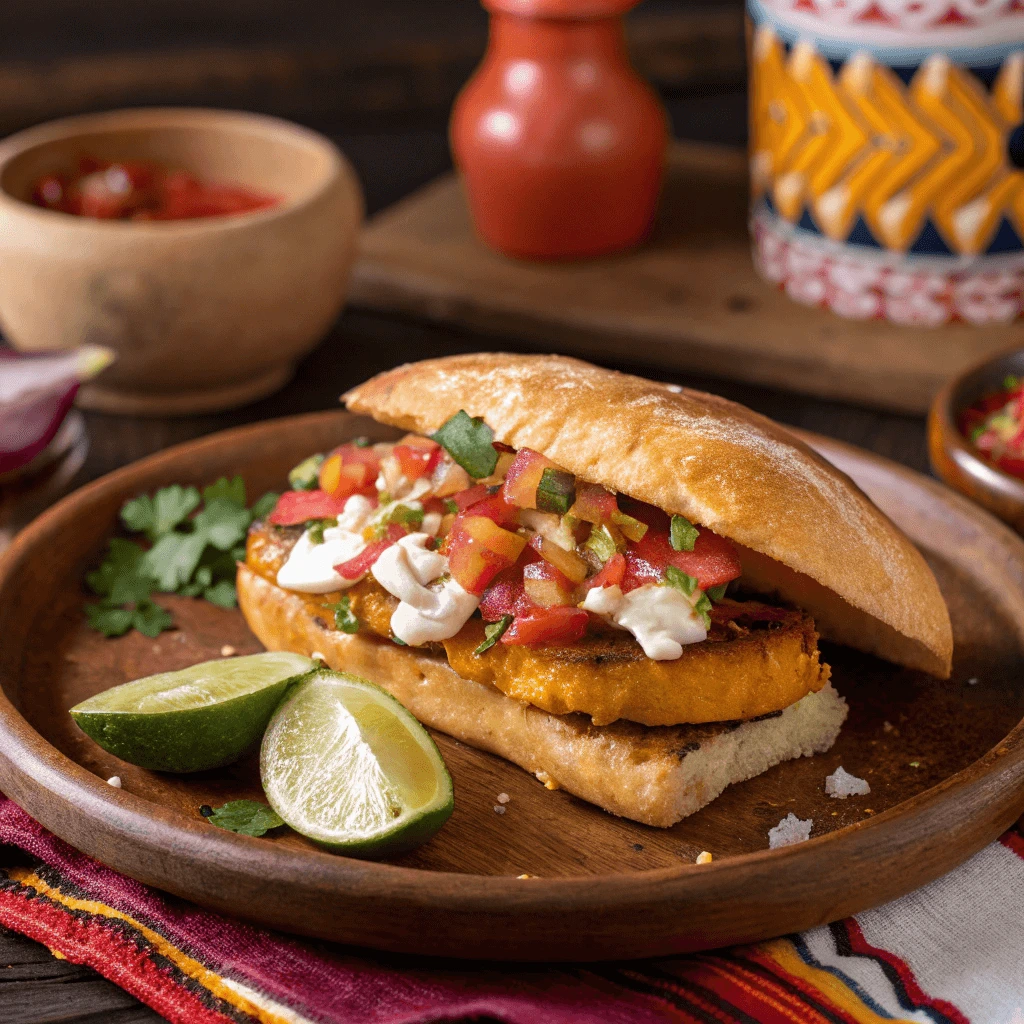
<point>951,952</point>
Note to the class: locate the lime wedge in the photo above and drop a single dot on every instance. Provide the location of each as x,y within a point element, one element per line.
<point>196,718</point>
<point>346,765</point>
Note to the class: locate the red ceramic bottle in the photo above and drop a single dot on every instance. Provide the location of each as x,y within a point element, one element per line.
<point>560,142</point>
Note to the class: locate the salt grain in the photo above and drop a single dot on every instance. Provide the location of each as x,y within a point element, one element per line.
<point>227,651</point>
<point>115,781</point>
<point>503,798</point>
<point>841,784</point>
<point>790,831</point>
<point>499,809</point>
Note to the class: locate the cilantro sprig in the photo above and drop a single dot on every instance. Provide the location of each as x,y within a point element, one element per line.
<point>247,817</point>
<point>195,538</point>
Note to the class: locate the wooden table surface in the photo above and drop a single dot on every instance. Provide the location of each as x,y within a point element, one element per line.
<point>36,988</point>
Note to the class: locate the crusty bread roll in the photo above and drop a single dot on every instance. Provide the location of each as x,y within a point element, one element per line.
<point>655,775</point>
<point>806,530</point>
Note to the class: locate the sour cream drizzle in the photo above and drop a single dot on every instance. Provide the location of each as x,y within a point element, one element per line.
<point>660,617</point>
<point>424,613</point>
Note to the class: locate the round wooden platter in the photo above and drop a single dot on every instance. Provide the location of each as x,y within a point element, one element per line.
<point>945,760</point>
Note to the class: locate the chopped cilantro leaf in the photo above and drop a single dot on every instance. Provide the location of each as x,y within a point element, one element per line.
<point>222,523</point>
<point>494,631</point>
<point>362,442</point>
<point>467,439</point>
<point>316,527</point>
<point>173,559</point>
<point>108,621</point>
<point>703,610</point>
<point>683,534</point>
<point>404,515</point>
<point>124,559</point>
<point>344,617</point>
<point>717,593</point>
<point>451,507</point>
<point>264,506</point>
<point>401,643</point>
<point>222,594</point>
<point>163,512</point>
<point>232,491</point>
<point>680,580</point>
<point>150,619</point>
<point>1010,382</point>
<point>188,555</point>
<point>248,817</point>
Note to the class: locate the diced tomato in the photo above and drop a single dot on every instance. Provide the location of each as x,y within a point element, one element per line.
<point>470,496</point>
<point>294,507</point>
<point>350,470</point>
<point>546,585</point>
<point>523,477</point>
<point>593,504</point>
<point>359,566</point>
<point>567,562</point>
<point>495,508</point>
<point>557,625</point>
<point>611,575</point>
<point>418,459</point>
<point>505,596</point>
<point>712,561</point>
<point>478,549</point>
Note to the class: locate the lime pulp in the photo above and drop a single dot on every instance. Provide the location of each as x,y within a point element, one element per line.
<point>345,764</point>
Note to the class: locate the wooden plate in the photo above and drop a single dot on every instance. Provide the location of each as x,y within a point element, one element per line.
<point>945,761</point>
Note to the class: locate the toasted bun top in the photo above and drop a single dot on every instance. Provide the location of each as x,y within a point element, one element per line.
<point>805,529</point>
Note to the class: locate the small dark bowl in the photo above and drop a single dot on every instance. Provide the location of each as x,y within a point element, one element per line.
<point>954,458</point>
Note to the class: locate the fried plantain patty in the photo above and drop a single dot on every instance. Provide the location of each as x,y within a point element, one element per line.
<point>758,659</point>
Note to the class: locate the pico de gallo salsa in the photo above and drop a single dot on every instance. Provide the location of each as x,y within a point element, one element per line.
<point>995,427</point>
<point>142,190</point>
<point>523,538</point>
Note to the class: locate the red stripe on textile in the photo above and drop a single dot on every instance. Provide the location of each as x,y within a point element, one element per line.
<point>1013,840</point>
<point>814,996</point>
<point>91,942</point>
<point>859,944</point>
<point>761,997</point>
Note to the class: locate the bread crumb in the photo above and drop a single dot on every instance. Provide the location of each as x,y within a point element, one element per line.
<point>227,651</point>
<point>499,808</point>
<point>790,831</point>
<point>115,781</point>
<point>915,764</point>
<point>704,857</point>
<point>503,798</point>
<point>888,727</point>
<point>549,783</point>
<point>841,784</point>
<point>527,876</point>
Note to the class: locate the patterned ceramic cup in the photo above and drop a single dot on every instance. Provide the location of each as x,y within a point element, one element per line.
<point>886,153</point>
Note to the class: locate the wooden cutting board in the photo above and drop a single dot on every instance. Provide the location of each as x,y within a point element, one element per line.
<point>689,299</point>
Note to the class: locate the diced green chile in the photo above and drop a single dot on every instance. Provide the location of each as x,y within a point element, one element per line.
<point>344,617</point>
<point>467,439</point>
<point>601,542</point>
<point>556,491</point>
<point>494,631</point>
<point>683,534</point>
<point>306,475</point>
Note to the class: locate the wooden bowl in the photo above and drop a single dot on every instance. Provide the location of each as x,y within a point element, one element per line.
<point>204,314</point>
<point>954,458</point>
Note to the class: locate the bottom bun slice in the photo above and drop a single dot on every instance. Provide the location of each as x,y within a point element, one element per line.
<point>651,774</point>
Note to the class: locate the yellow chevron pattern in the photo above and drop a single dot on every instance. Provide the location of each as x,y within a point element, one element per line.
<point>860,143</point>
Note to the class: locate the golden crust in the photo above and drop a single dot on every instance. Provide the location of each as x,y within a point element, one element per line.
<point>706,458</point>
<point>753,673</point>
